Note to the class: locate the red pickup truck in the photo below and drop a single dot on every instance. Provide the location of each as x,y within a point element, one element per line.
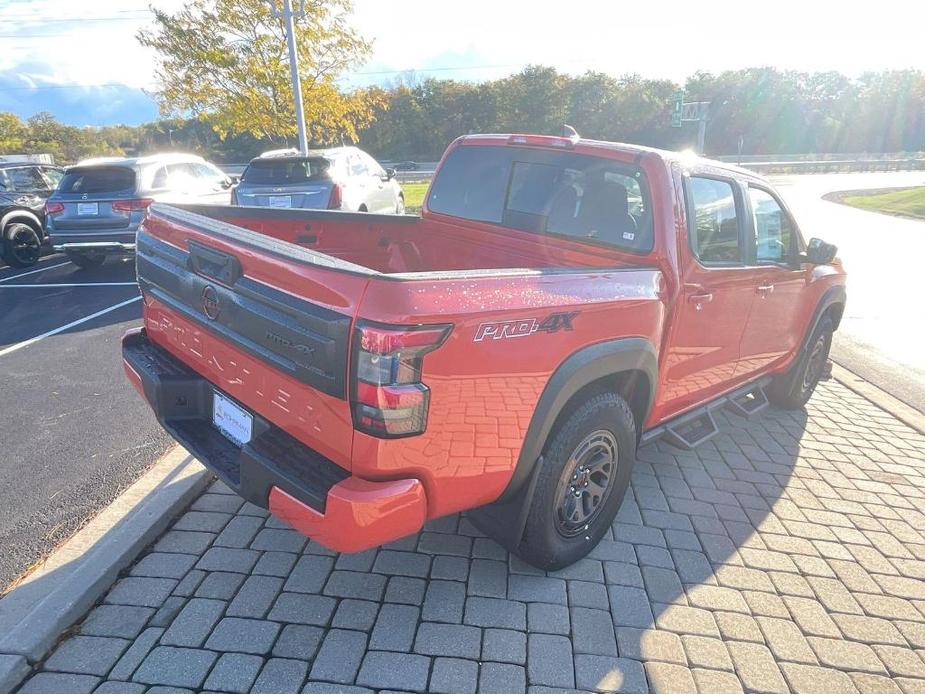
<point>557,302</point>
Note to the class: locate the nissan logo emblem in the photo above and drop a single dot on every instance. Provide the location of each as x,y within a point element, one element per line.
<point>210,305</point>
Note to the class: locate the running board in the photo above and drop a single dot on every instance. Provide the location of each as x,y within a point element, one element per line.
<point>747,404</point>
<point>689,430</point>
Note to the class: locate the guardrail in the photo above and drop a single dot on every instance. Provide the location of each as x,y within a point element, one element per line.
<point>829,163</point>
<point>765,164</point>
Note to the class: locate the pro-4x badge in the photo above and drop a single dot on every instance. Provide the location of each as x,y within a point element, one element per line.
<point>522,327</point>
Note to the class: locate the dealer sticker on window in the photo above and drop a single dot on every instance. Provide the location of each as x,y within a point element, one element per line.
<point>234,422</point>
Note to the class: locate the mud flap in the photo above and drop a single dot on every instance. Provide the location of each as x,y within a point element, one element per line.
<point>504,521</point>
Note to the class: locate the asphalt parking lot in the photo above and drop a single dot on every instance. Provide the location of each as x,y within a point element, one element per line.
<point>73,433</point>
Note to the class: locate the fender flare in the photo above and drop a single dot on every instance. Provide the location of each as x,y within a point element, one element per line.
<point>585,366</point>
<point>21,214</point>
<point>831,297</point>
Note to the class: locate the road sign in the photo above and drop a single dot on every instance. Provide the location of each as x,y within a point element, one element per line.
<point>677,107</point>
<point>694,110</point>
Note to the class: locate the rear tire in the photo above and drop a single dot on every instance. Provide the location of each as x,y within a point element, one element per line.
<point>586,468</point>
<point>400,205</point>
<point>22,245</point>
<point>791,390</point>
<point>86,261</point>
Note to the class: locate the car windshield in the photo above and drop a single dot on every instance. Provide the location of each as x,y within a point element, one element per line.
<point>587,198</point>
<point>282,171</point>
<point>97,179</point>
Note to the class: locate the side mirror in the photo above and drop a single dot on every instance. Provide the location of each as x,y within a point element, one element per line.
<point>389,174</point>
<point>227,182</point>
<point>818,252</point>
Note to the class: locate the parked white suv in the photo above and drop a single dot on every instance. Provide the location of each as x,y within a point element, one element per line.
<point>340,178</point>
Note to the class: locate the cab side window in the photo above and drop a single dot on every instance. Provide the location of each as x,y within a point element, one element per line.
<point>713,223</point>
<point>773,228</point>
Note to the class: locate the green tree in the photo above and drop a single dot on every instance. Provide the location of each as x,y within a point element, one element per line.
<point>226,63</point>
<point>12,133</point>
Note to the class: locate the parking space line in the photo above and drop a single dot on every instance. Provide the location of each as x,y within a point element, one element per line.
<point>37,338</point>
<point>32,272</point>
<point>74,284</point>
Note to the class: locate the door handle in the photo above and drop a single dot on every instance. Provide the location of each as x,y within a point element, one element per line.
<point>765,290</point>
<point>700,299</point>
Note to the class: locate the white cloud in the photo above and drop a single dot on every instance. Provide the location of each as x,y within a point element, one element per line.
<point>76,49</point>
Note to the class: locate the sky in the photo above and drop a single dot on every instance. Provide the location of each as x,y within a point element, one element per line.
<point>81,61</point>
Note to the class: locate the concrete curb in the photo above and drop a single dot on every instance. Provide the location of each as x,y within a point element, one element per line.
<point>35,613</point>
<point>903,412</point>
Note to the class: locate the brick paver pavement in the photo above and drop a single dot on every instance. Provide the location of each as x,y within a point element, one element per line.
<point>786,555</point>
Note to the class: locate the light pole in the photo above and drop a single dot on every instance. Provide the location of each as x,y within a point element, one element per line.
<point>289,15</point>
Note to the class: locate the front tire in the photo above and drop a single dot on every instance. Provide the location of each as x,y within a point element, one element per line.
<point>585,472</point>
<point>86,261</point>
<point>22,245</point>
<point>792,390</point>
<point>400,205</point>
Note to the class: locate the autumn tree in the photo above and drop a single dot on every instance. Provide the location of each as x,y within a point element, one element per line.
<point>12,132</point>
<point>226,63</point>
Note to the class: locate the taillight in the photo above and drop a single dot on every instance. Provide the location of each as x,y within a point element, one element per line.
<point>53,208</point>
<point>337,197</point>
<point>389,399</point>
<point>132,205</point>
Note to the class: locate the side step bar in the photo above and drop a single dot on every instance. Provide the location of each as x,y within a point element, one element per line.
<point>747,404</point>
<point>689,430</point>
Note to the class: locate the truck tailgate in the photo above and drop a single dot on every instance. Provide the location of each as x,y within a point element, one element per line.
<point>266,322</point>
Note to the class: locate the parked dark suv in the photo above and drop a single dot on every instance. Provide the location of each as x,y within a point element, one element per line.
<point>24,187</point>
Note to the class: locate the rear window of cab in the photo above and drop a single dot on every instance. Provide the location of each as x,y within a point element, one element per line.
<point>563,194</point>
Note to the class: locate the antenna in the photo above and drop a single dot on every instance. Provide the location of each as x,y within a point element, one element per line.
<point>570,132</point>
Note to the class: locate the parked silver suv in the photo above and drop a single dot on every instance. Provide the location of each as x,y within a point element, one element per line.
<point>99,203</point>
<point>340,178</point>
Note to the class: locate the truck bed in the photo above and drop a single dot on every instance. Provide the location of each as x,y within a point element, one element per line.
<point>390,244</point>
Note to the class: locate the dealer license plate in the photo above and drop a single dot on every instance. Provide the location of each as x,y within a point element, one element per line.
<point>88,208</point>
<point>234,422</point>
<point>280,201</point>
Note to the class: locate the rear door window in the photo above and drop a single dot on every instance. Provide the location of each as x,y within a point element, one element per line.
<point>280,172</point>
<point>586,198</point>
<point>357,166</point>
<point>714,221</point>
<point>98,179</point>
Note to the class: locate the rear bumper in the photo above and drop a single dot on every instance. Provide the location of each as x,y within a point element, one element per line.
<point>100,242</point>
<point>274,470</point>
<point>94,246</point>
